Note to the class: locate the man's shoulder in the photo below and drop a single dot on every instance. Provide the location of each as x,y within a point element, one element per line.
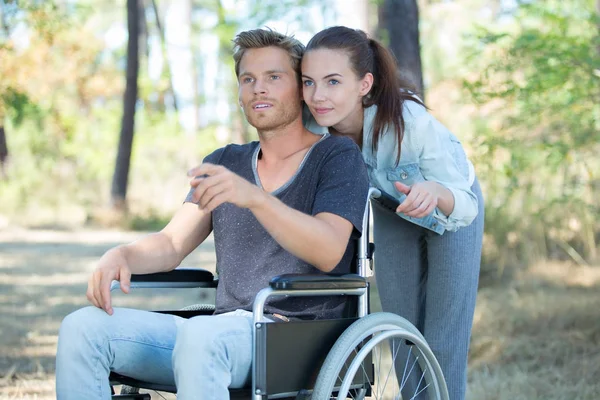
<point>336,153</point>
<point>231,152</point>
<point>339,144</point>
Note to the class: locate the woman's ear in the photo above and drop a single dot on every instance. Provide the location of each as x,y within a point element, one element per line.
<point>366,83</point>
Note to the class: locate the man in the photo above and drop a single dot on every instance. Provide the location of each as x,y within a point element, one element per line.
<point>284,204</point>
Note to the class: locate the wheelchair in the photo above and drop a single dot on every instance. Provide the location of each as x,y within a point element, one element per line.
<point>356,357</point>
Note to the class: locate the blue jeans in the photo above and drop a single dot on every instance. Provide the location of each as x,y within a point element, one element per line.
<point>201,356</point>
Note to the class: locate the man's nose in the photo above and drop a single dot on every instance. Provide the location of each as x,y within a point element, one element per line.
<point>260,87</point>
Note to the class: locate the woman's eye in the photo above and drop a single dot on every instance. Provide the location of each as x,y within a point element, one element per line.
<point>333,82</point>
<point>308,83</point>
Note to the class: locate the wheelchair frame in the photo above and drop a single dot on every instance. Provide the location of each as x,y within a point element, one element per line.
<point>265,382</point>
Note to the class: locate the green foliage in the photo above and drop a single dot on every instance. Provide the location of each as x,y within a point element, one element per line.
<point>539,136</point>
<point>152,222</point>
<point>60,102</point>
<point>19,106</point>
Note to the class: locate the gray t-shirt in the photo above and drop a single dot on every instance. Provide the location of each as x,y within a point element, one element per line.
<point>332,178</point>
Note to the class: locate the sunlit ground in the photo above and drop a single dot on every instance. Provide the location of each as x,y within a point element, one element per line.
<point>536,338</point>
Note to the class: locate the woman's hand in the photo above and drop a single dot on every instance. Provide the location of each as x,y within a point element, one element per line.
<point>421,198</point>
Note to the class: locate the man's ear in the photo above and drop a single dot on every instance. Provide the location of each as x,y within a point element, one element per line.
<point>366,84</point>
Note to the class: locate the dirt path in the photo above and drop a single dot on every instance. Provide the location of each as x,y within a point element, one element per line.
<point>43,277</point>
<point>535,338</point>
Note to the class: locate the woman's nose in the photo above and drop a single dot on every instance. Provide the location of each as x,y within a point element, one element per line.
<point>318,94</point>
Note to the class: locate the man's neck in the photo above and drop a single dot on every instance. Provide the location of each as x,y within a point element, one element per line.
<point>282,143</point>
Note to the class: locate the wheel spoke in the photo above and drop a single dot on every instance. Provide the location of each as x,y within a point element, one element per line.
<point>409,372</point>
<point>402,382</point>
<point>392,366</point>
<point>418,386</point>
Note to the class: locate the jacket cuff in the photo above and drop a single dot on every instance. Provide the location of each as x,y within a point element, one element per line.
<point>465,211</point>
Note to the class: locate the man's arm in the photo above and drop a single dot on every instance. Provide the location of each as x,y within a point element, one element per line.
<point>157,252</point>
<point>319,240</point>
<point>164,250</point>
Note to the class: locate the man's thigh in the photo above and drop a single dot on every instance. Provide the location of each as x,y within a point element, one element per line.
<point>137,343</point>
<point>223,342</point>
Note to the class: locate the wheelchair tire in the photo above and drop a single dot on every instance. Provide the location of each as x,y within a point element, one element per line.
<point>129,390</point>
<point>340,376</point>
<point>199,307</point>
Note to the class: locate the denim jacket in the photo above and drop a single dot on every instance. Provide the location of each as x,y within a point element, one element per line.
<point>429,152</point>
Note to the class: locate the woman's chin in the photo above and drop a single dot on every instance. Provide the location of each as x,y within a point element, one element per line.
<point>325,120</point>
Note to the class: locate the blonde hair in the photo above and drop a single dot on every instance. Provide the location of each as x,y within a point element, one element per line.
<point>261,38</point>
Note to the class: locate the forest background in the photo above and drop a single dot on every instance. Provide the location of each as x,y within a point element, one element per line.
<point>104,106</point>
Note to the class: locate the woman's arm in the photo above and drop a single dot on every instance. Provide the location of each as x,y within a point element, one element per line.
<point>457,205</point>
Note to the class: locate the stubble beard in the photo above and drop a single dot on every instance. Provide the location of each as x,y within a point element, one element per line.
<point>271,125</point>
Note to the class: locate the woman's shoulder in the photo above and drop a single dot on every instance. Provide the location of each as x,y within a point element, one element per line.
<point>414,111</point>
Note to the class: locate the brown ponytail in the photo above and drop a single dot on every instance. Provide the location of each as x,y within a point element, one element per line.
<point>366,55</point>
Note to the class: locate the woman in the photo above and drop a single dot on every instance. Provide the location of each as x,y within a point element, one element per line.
<point>428,257</point>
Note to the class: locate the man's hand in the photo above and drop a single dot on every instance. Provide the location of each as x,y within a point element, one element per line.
<point>421,198</point>
<point>112,266</point>
<point>216,185</point>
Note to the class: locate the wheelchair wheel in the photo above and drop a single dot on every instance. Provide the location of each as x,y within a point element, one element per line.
<point>381,356</point>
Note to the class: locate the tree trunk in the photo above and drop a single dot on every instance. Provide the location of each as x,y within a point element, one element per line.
<point>163,46</point>
<point>399,23</point>
<point>3,152</point>
<point>121,175</point>
<point>144,49</point>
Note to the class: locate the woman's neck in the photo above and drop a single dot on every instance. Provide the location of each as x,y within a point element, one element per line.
<point>352,127</point>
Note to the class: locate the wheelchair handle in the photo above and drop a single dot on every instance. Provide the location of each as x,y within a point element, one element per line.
<point>385,199</point>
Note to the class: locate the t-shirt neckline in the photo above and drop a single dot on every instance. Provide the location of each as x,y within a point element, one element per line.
<point>291,180</point>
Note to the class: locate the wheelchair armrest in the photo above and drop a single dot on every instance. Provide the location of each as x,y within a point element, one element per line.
<point>385,199</point>
<point>317,282</point>
<point>177,278</point>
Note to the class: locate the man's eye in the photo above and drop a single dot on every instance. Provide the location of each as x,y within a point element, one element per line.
<point>247,80</point>
<point>333,82</point>
<point>275,77</point>
<point>308,83</point>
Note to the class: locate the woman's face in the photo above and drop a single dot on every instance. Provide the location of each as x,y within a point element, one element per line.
<point>331,89</point>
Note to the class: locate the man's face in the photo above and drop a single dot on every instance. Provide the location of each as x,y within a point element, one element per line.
<point>268,88</point>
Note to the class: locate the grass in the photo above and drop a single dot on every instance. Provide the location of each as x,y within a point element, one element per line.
<point>539,336</point>
<point>536,336</point>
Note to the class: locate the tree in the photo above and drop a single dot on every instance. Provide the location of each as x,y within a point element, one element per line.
<point>121,174</point>
<point>3,152</point>
<point>537,85</point>
<point>163,47</point>
<point>399,28</point>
